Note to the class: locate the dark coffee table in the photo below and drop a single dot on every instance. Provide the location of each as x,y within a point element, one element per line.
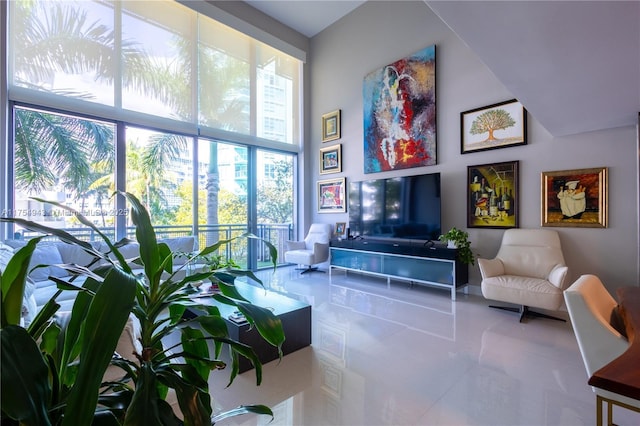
<point>295,317</point>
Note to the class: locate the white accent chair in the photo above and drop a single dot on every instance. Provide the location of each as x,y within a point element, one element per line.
<point>529,271</point>
<point>313,250</point>
<point>591,309</point>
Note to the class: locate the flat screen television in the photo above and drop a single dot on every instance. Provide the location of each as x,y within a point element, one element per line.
<point>401,207</point>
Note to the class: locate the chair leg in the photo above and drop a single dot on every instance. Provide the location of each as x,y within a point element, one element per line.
<point>524,311</point>
<point>309,269</point>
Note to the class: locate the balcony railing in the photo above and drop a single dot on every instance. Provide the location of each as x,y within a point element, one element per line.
<point>276,234</point>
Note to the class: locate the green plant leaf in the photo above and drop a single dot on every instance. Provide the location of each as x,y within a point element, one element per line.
<point>24,376</point>
<point>243,409</point>
<point>12,282</point>
<point>145,403</point>
<point>146,237</point>
<point>105,321</point>
<point>194,343</point>
<point>192,394</point>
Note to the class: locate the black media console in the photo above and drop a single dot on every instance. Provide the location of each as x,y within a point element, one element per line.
<point>411,260</point>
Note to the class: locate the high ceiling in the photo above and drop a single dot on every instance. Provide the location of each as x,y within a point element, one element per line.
<point>574,65</point>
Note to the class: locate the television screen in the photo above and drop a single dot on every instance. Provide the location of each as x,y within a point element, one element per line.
<point>402,207</point>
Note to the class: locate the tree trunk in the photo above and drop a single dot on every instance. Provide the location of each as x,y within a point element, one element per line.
<point>213,187</point>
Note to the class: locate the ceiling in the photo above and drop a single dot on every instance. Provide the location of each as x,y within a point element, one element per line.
<point>574,65</point>
<point>307,17</point>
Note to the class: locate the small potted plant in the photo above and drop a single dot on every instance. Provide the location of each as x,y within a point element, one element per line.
<point>457,238</point>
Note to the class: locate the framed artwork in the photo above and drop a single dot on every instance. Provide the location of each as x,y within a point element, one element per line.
<point>340,228</point>
<point>493,195</point>
<point>399,103</point>
<point>331,159</point>
<point>331,126</point>
<point>576,198</point>
<point>331,196</point>
<point>494,126</point>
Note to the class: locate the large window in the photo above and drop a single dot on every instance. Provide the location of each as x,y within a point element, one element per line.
<point>157,59</point>
<point>158,100</point>
<point>65,159</point>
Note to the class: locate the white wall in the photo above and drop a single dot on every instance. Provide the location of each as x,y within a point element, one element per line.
<point>381,32</point>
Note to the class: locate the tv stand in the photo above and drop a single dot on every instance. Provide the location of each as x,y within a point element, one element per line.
<point>409,260</point>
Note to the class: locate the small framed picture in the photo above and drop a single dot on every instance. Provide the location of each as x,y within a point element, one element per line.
<point>331,159</point>
<point>340,228</point>
<point>331,196</point>
<point>331,126</point>
<point>575,198</point>
<point>494,126</point>
<point>493,195</point>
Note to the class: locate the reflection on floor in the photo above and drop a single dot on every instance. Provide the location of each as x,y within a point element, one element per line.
<point>401,355</point>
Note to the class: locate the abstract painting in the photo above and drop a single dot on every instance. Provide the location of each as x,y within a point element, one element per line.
<point>400,114</point>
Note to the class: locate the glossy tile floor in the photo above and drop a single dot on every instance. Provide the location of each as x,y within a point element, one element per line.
<point>401,355</point>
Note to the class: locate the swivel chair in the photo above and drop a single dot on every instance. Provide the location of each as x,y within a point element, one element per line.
<point>529,271</point>
<point>314,249</point>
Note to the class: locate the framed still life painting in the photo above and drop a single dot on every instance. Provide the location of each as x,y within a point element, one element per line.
<point>575,198</point>
<point>492,196</point>
<point>399,102</point>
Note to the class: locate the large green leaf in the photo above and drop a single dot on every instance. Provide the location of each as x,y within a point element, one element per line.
<point>192,394</point>
<point>24,376</point>
<point>243,409</point>
<point>146,236</point>
<point>268,325</point>
<point>107,316</point>
<point>145,404</point>
<point>12,282</point>
<point>194,343</point>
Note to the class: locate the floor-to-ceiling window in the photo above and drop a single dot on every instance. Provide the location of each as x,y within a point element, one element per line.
<point>196,119</point>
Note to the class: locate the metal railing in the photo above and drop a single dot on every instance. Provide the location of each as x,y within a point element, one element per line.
<point>276,234</point>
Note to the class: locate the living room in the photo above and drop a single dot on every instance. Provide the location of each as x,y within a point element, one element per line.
<point>379,33</point>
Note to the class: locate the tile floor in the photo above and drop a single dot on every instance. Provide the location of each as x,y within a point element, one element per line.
<point>401,355</point>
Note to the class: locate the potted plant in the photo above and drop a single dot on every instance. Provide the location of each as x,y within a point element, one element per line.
<point>459,239</point>
<point>64,381</point>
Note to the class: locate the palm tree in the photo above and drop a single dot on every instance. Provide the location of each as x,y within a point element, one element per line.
<point>50,148</point>
<point>44,140</point>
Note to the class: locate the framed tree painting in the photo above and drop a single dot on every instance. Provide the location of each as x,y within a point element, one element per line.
<point>492,195</point>
<point>331,196</point>
<point>399,103</point>
<point>575,198</point>
<point>493,126</point>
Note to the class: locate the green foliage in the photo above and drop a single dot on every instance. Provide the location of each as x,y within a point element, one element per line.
<point>461,240</point>
<point>57,389</point>
<point>55,371</point>
<point>275,204</point>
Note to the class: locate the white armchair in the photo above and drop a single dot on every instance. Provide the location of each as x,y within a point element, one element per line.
<point>313,250</point>
<point>529,271</point>
<point>591,309</point>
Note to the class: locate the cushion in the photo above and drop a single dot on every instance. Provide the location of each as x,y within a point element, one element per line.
<point>48,254</point>
<point>179,245</point>
<point>533,292</point>
<point>6,252</point>
<point>15,243</point>
<point>71,253</point>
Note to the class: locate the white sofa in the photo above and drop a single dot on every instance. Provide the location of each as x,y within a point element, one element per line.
<point>39,288</point>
